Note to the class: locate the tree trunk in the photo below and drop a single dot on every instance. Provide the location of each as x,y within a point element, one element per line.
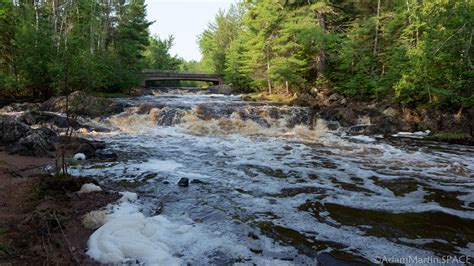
<point>320,59</point>
<point>287,86</point>
<point>377,28</point>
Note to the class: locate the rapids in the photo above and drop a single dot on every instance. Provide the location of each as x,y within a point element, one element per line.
<point>273,184</point>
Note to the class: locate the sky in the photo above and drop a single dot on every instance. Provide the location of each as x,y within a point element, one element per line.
<point>185,20</point>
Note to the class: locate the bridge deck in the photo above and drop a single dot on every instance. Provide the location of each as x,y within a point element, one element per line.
<point>151,75</point>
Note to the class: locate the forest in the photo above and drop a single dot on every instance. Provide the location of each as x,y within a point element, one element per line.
<point>413,52</point>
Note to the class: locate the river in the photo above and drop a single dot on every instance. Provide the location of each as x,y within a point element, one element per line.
<point>272,184</point>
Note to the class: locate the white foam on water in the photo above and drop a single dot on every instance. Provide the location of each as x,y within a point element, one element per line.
<point>159,165</point>
<point>415,135</point>
<point>87,188</point>
<point>247,167</point>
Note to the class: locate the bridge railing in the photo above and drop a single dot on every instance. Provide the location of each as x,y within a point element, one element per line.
<point>156,71</point>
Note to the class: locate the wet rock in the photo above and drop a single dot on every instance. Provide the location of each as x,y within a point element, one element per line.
<point>48,132</point>
<point>12,130</point>
<point>4,102</point>
<point>87,149</point>
<point>105,155</point>
<point>205,112</point>
<point>183,182</point>
<point>169,117</point>
<point>23,107</point>
<point>346,117</point>
<point>198,182</point>
<point>35,144</point>
<point>222,89</point>
<point>333,125</point>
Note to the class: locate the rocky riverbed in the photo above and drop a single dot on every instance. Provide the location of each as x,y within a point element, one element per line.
<point>232,181</point>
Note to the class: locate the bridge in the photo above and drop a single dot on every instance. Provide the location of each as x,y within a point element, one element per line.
<point>152,75</point>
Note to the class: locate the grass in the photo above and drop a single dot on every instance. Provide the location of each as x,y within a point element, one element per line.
<point>452,137</point>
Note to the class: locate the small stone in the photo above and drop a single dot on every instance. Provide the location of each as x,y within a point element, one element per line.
<point>335,97</point>
<point>390,111</point>
<point>166,182</point>
<point>183,182</point>
<point>344,101</point>
<point>197,181</point>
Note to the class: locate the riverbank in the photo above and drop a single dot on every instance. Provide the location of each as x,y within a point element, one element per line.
<point>40,215</point>
<point>382,116</point>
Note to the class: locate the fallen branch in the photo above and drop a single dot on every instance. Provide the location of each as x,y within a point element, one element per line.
<point>65,238</point>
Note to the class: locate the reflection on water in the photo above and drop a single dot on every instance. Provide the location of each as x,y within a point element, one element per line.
<point>280,187</point>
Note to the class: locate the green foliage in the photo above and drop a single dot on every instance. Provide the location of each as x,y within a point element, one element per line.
<point>50,47</point>
<point>157,54</point>
<point>418,53</point>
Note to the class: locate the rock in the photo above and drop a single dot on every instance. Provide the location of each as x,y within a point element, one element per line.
<point>197,181</point>
<point>87,149</point>
<point>345,116</point>
<point>343,101</point>
<point>169,117</point>
<point>105,155</point>
<point>79,157</point>
<point>314,91</point>
<point>222,89</point>
<point>35,144</point>
<point>335,97</point>
<point>4,102</point>
<point>81,103</point>
<point>392,112</point>
<point>183,182</point>
<point>48,132</point>
<point>12,130</point>
<point>24,107</point>
<point>44,118</point>
<point>94,219</point>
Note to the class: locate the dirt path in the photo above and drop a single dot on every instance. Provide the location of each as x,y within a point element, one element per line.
<point>40,217</point>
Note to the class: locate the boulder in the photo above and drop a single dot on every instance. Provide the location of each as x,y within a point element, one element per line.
<point>345,116</point>
<point>392,112</point>
<point>45,118</point>
<point>82,103</point>
<point>35,144</point>
<point>49,133</point>
<point>169,117</point>
<point>4,102</point>
<point>12,130</point>
<point>183,182</point>
<point>87,149</point>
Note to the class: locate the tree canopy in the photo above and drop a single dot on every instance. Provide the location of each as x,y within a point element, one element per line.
<point>411,51</point>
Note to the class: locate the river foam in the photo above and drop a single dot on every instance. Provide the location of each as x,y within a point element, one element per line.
<point>282,191</point>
